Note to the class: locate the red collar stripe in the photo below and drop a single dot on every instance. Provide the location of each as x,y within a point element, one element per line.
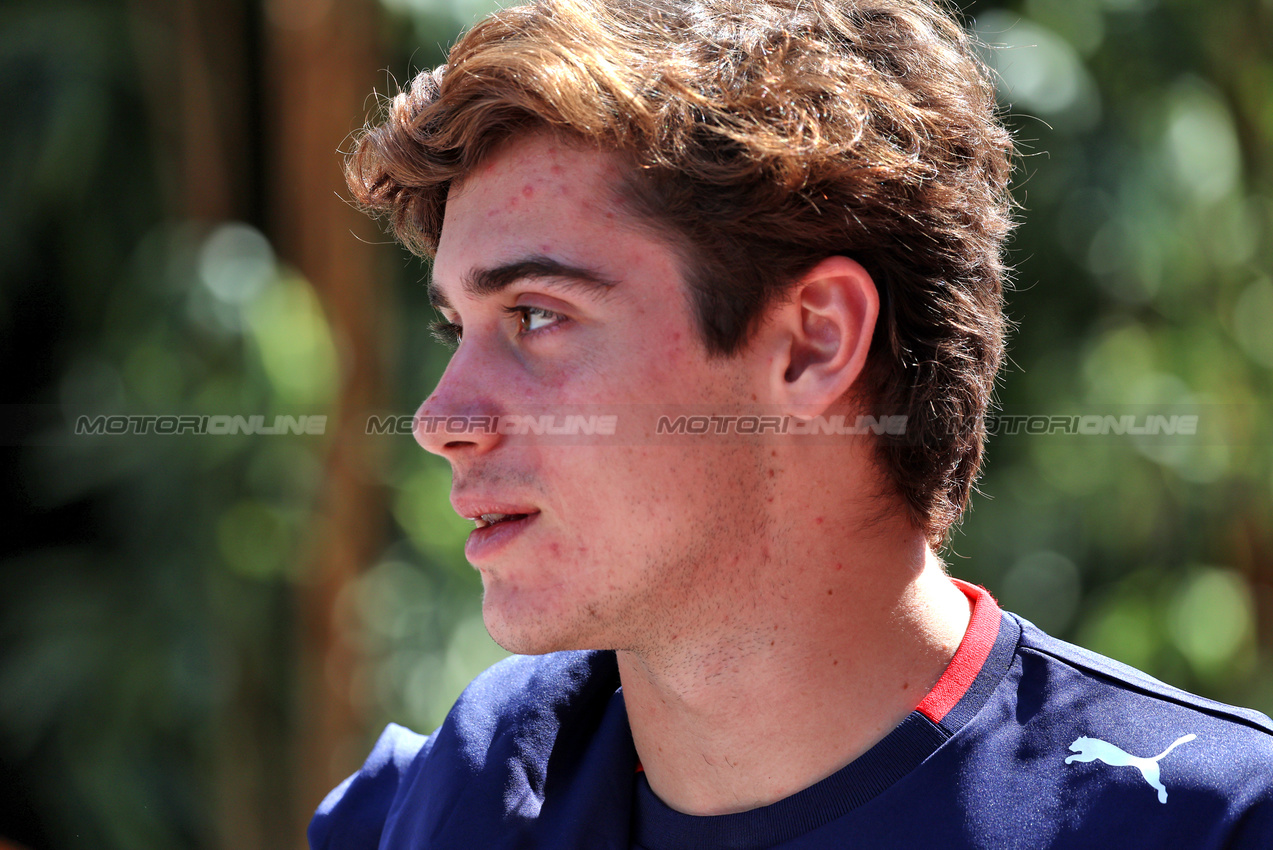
<point>973,651</point>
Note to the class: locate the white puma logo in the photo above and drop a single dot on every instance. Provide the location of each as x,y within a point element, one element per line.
<point>1091,749</point>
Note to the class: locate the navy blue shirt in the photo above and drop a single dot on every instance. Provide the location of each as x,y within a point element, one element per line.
<point>1025,742</point>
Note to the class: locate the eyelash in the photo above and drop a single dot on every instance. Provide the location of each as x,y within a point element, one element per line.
<point>447,333</point>
<point>450,334</point>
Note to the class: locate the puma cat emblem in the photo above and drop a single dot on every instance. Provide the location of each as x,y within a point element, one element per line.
<point>1091,749</point>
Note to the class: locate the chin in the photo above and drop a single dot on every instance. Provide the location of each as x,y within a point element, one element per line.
<point>528,634</point>
<point>536,632</point>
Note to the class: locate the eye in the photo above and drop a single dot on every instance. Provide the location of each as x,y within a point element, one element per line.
<point>447,333</point>
<point>531,319</point>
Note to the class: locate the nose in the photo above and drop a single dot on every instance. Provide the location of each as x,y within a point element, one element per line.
<point>458,417</point>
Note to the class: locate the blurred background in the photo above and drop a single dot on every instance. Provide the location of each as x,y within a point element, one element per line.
<point>200,635</point>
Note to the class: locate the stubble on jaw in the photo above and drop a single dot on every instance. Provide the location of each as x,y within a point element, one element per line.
<point>663,598</point>
<point>719,561</point>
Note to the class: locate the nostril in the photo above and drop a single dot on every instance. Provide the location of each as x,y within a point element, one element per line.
<point>442,428</point>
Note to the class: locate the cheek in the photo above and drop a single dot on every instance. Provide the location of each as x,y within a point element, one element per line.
<point>649,487</point>
<point>662,363</point>
<point>615,486</point>
<point>674,349</point>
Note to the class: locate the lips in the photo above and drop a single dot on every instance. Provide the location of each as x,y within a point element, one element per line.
<point>496,523</point>
<point>488,539</point>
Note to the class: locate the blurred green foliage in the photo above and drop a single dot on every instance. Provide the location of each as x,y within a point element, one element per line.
<point>150,583</point>
<point>1143,279</point>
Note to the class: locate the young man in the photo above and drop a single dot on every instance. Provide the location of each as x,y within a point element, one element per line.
<point>772,213</point>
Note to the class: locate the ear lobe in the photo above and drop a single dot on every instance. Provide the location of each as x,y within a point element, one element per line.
<point>828,321</point>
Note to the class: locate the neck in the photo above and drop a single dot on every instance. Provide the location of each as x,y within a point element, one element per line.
<point>781,692</point>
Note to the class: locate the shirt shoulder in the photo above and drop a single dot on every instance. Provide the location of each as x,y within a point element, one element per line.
<point>487,760</point>
<point>1135,757</point>
<point>353,814</point>
<point>1127,682</point>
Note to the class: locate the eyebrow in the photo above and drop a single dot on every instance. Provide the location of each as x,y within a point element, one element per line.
<point>481,282</point>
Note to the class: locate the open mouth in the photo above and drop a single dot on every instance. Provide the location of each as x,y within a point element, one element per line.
<point>493,531</point>
<point>486,520</point>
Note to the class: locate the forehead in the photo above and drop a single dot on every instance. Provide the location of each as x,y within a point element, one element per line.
<point>541,196</point>
<point>544,158</point>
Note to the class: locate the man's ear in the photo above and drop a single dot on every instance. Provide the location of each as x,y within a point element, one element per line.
<point>819,337</point>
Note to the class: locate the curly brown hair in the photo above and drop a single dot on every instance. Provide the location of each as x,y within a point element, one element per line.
<point>765,136</point>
